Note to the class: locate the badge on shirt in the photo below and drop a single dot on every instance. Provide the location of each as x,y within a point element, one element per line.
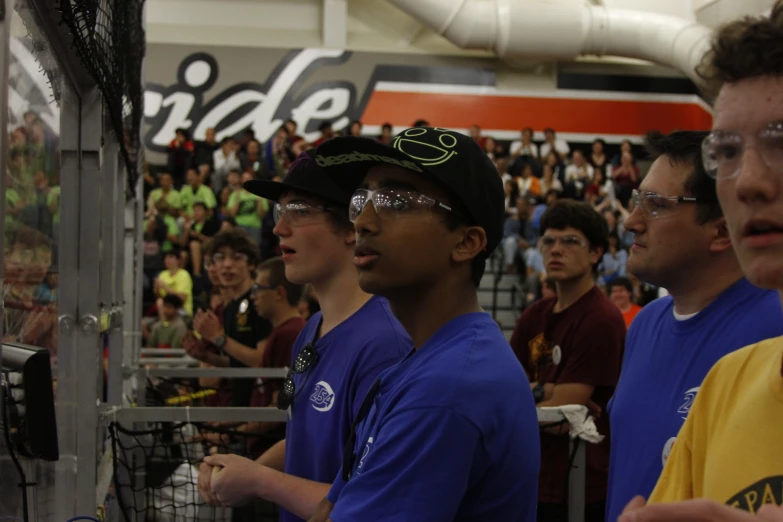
<point>242,317</point>
<point>557,354</point>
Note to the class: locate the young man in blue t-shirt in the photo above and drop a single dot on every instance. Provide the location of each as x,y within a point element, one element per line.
<point>680,243</point>
<point>449,433</point>
<point>336,358</point>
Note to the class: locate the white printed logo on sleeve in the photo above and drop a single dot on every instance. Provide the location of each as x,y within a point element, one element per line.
<point>322,397</point>
<point>364,455</point>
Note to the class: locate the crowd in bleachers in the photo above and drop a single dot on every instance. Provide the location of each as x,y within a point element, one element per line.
<point>199,192</point>
<point>32,222</point>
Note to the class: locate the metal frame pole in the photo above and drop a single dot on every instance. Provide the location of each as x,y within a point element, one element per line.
<point>111,268</point>
<point>88,335</point>
<point>66,404</point>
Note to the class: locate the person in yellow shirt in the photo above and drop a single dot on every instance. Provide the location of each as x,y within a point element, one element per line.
<point>727,461</point>
<point>167,193</point>
<point>174,280</point>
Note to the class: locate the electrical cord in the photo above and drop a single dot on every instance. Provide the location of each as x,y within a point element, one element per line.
<point>6,431</point>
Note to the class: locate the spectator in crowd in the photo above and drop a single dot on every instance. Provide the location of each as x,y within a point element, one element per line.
<point>166,192</point>
<point>681,243</point>
<point>195,192</point>
<point>571,348</point>
<point>599,189</point>
<point>204,151</point>
<point>519,234</point>
<point>578,176</point>
<point>277,151</point>
<point>598,157</point>
<point>248,135</point>
<point>475,133</point>
<point>502,165</point>
<point>292,128</point>
<point>613,261</point>
<point>325,128</point>
<point>207,353</point>
<point>180,156</point>
<point>445,422</point>
<point>549,181</point>
<point>200,230</point>
<point>276,299</point>
<point>355,128</point>
<point>524,149</point>
<point>490,148</point>
<point>615,216</point>
<point>626,178</point>
<point>727,455</point>
<point>620,291</point>
<point>224,161</point>
<point>171,329</point>
<point>241,336</point>
<point>386,134</point>
<point>247,209</point>
<point>174,280</point>
<point>625,146</point>
<point>251,159</point>
<point>529,185</point>
<point>355,337</point>
<point>511,191</point>
<point>554,144</point>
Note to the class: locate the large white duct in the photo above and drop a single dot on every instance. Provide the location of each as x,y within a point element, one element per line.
<point>556,31</point>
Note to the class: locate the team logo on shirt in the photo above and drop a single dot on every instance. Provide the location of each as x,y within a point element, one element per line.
<point>541,354</point>
<point>322,397</point>
<point>690,396</point>
<point>768,490</point>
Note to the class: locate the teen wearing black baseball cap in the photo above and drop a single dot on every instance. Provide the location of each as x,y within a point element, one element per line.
<point>336,358</point>
<point>449,433</point>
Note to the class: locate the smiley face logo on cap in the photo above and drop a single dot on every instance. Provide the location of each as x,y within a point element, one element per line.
<point>427,154</point>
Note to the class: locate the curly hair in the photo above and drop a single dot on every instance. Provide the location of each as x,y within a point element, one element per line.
<point>743,49</point>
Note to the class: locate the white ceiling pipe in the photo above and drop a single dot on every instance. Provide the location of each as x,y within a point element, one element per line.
<point>555,31</point>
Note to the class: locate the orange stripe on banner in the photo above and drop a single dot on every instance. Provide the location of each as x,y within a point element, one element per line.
<point>508,113</point>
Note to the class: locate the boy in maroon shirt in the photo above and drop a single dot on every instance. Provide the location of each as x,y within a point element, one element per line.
<point>276,299</point>
<point>571,348</point>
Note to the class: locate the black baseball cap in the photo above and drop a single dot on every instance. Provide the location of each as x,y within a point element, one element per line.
<point>303,176</point>
<point>452,160</point>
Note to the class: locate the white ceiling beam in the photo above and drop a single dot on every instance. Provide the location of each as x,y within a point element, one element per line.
<point>335,24</point>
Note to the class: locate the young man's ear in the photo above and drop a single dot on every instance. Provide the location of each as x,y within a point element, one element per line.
<point>720,236</point>
<point>470,245</point>
<point>596,254</point>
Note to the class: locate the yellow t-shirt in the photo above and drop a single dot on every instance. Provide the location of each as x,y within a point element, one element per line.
<point>730,448</point>
<point>181,283</point>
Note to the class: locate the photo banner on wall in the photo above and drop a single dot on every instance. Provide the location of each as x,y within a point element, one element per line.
<point>447,96</point>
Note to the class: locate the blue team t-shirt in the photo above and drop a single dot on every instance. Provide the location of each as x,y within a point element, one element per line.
<point>664,364</point>
<point>327,396</point>
<point>452,434</point>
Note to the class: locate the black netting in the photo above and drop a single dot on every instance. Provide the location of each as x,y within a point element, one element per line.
<point>156,468</point>
<point>109,38</point>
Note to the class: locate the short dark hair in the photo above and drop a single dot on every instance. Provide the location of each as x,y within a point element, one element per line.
<point>387,126</point>
<point>200,204</point>
<point>172,300</point>
<point>743,49</point>
<point>324,125</point>
<point>567,213</point>
<point>684,148</point>
<point>175,251</point>
<point>619,281</point>
<point>237,240</point>
<point>276,268</point>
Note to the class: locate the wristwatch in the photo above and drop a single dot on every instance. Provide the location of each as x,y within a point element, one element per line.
<point>538,392</point>
<point>220,341</point>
